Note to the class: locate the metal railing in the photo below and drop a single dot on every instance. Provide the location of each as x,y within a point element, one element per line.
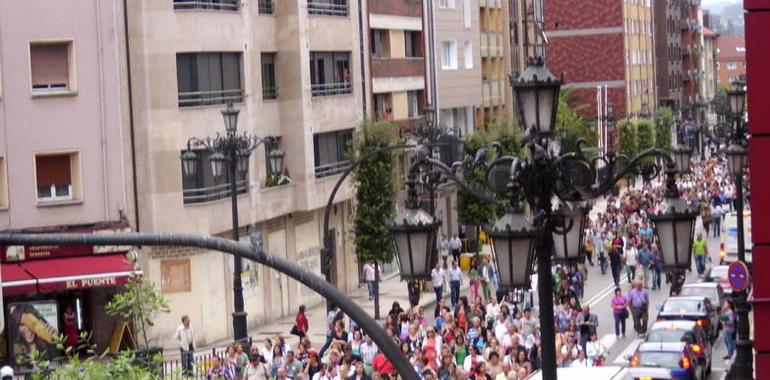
<point>326,8</point>
<point>269,92</point>
<point>219,5</point>
<point>329,89</point>
<point>212,193</point>
<point>205,98</point>
<point>331,169</point>
<point>266,7</point>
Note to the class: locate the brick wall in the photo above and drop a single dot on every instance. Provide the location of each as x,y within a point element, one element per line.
<point>581,14</point>
<point>411,8</point>
<point>397,67</point>
<point>587,101</point>
<point>587,58</point>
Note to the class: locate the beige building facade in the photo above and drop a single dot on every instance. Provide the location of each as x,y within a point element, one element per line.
<point>639,57</point>
<point>292,68</point>
<point>495,49</point>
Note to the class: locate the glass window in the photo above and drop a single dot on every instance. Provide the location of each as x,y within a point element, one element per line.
<point>327,7</point>
<point>204,187</point>
<point>413,44</point>
<point>54,177</point>
<point>330,73</point>
<point>468,51</point>
<point>448,55</point>
<point>50,71</point>
<point>269,87</point>
<point>208,78</point>
<point>467,13</point>
<point>413,100</point>
<point>331,152</point>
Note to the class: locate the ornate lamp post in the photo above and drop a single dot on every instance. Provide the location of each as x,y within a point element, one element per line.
<point>737,157</point>
<point>232,149</point>
<point>543,175</point>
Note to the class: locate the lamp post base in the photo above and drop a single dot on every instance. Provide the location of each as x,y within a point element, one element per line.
<point>743,367</point>
<point>240,330</point>
<point>414,293</point>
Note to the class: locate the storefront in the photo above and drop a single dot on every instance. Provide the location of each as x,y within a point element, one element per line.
<point>52,290</point>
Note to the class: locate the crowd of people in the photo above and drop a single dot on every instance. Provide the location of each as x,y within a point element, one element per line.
<point>488,334</point>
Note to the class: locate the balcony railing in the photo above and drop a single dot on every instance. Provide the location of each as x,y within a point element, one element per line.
<point>330,89</point>
<point>206,98</point>
<point>269,92</point>
<point>212,193</point>
<point>325,8</point>
<point>331,169</point>
<point>266,7</point>
<point>218,5</point>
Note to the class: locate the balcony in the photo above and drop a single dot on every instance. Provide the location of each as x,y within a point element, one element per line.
<point>408,8</point>
<point>408,127</point>
<point>269,92</point>
<point>216,5</point>
<point>266,7</point>
<point>331,89</point>
<point>212,193</point>
<point>331,169</point>
<point>207,98</point>
<point>490,4</point>
<point>491,44</point>
<point>398,67</point>
<point>327,7</point>
<point>491,92</point>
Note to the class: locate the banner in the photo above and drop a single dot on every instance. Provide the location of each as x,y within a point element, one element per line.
<point>33,327</point>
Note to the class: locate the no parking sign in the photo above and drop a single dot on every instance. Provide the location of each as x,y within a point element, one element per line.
<point>738,275</point>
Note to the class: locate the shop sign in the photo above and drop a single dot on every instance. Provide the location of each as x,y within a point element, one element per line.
<point>33,326</point>
<point>16,253</point>
<point>92,282</point>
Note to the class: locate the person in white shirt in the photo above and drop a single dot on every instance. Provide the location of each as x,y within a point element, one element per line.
<point>455,275</point>
<point>443,248</point>
<point>184,338</point>
<point>369,277</point>
<point>437,278</point>
<point>581,361</point>
<point>595,350</point>
<point>631,256</point>
<point>455,245</point>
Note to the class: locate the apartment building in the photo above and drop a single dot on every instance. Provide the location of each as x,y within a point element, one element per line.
<point>668,51</point>
<point>292,68</point>
<point>63,163</point>
<point>458,69</point>
<point>709,64</point>
<point>731,59</point>
<point>611,50</point>
<point>496,93</point>
<point>526,38</point>
<point>692,49</point>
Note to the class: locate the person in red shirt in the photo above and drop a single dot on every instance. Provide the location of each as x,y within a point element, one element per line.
<point>301,322</point>
<point>382,365</point>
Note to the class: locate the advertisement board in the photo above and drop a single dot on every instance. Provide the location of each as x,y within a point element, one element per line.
<point>33,327</point>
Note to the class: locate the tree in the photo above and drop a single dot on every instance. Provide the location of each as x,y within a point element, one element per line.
<point>645,135</point>
<point>375,192</point>
<point>570,126</point>
<point>627,141</point>
<point>664,120</point>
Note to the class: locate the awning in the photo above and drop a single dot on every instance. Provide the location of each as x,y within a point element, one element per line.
<point>67,273</point>
<point>16,280</point>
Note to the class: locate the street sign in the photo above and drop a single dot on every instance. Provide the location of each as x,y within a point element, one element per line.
<point>738,274</point>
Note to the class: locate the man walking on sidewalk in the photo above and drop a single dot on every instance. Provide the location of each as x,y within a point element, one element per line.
<point>455,245</point>
<point>700,250</point>
<point>639,300</point>
<point>184,338</point>
<point>455,280</point>
<point>437,277</point>
<point>369,276</point>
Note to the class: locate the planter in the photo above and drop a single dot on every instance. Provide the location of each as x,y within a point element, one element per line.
<point>144,358</point>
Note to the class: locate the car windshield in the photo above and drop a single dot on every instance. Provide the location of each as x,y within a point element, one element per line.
<point>670,335</point>
<point>719,272</point>
<point>682,306</point>
<point>697,291</point>
<point>659,359</point>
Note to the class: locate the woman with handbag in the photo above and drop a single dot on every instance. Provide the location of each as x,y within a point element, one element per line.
<point>301,324</point>
<point>619,305</point>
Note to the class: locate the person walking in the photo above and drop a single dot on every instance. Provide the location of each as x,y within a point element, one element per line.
<point>437,278</point>
<point>455,245</point>
<point>645,264</point>
<point>370,276</point>
<point>301,324</point>
<point>598,245</point>
<point>589,247</point>
<point>619,305</point>
<point>706,215</point>
<point>716,219</point>
<point>455,275</point>
<point>657,266</point>
<point>727,317</point>
<point>615,260</point>
<point>444,248</point>
<point>630,256</point>
<point>700,250</point>
<point>587,322</point>
<point>486,273</point>
<point>639,301</point>
<point>186,342</point>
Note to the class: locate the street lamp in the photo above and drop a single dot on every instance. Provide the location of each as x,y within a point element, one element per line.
<point>537,95</point>
<point>674,227</point>
<point>414,239</point>
<point>737,156</point>
<point>231,150</point>
<point>514,239</point>
<point>681,155</point>
<point>568,233</point>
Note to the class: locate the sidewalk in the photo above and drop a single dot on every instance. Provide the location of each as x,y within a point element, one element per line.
<point>392,289</point>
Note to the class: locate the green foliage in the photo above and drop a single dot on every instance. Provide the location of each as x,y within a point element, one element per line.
<point>140,304</point>
<point>645,135</point>
<point>570,126</point>
<point>722,103</point>
<point>664,120</point>
<point>276,180</point>
<point>375,191</point>
<point>627,141</point>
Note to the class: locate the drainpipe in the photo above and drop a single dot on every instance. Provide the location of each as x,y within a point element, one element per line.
<point>361,57</point>
<point>431,45</point>
<point>135,188</point>
<point>102,127</point>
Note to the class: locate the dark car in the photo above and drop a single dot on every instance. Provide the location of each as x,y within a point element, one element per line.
<point>683,331</point>
<point>710,290</point>
<point>678,357</point>
<point>697,309</point>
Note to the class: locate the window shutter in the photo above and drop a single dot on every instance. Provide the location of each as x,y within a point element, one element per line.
<point>49,64</point>
<point>53,170</point>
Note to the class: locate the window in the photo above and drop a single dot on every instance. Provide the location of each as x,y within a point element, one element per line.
<point>330,73</point>
<point>413,44</point>
<point>52,67</point>
<point>413,98</point>
<point>382,106</point>
<point>331,152</point>
<point>327,7</point>
<point>217,5</point>
<point>732,65</point>
<point>468,51</point>
<point>448,55</point>
<point>467,13</point>
<point>175,276</point>
<point>446,3</point>
<point>269,88</point>
<point>208,78</point>
<point>266,7</point>
<point>379,42</point>
<point>203,187</point>
<point>54,174</point>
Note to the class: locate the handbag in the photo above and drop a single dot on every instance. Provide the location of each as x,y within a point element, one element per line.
<point>294,331</point>
<point>625,314</point>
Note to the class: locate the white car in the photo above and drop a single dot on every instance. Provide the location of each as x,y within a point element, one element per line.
<point>729,251</point>
<point>607,373</point>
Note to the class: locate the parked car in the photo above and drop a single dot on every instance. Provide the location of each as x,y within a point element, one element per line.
<point>678,357</point>
<point>718,274</point>
<point>730,237</point>
<point>697,309</point>
<point>710,290</point>
<point>608,373</point>
<point>683,331</point>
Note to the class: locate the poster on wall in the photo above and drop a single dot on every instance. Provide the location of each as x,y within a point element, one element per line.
<point>33,327</point>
